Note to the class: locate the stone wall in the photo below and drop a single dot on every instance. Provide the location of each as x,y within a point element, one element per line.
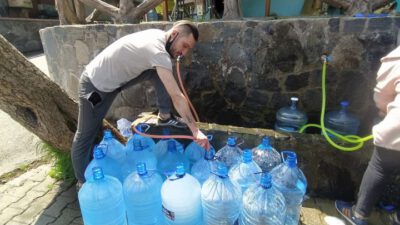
<point>241,72</point>
<point>24,33</point>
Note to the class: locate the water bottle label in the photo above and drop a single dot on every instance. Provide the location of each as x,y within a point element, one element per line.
<point>169,214</point>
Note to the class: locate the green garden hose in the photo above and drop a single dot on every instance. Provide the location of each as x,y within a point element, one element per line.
<point>353,139</point>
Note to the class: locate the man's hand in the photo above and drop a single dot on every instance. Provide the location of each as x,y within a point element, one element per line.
<point>201,140</point>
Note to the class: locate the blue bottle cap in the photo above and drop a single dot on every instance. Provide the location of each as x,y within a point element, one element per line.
<point>108,134</point>
<point>247,156</point>
<point>209,155</point>
<point>98,152</point>
<point>222,170</point>
<point>180,169</point>
<point>265,144</point>
<point>97,173</point>
<point>293,104</point>
<point>266,180</point>
<point>171,146</point>
<point>231,141</point>
<point>141,168</point>
<point>344,104</point>
<point>291,159</point>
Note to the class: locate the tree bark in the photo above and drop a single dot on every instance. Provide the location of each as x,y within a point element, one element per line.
<point>36,102</point>
<point>232,10</point>
<point>352,7</point>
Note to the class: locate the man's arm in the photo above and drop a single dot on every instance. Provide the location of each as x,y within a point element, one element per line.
<point>181,105</point>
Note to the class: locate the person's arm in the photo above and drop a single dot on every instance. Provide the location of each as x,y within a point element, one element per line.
<point>181,105</point>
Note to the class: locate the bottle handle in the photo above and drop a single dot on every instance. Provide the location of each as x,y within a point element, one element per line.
<point>210,137</point>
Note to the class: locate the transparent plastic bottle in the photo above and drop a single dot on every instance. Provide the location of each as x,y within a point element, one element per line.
<point>230,154</point>
<point>342,121</point>
<point>138,153</point>
<point>167,163</point>
<point>266,156</point>
<point>290,118</point>
<point>109,166</point>
<point>147,142</point>
<point>221,198</point>
<point>115,149</point>
<point>162,145</point>
<point>290,180</point>
<point>101,200</point>
<point>263,204</point>
<point>202,169</point>
<point>181,200</point>
<point>142,195</point>
<point>246,172</point>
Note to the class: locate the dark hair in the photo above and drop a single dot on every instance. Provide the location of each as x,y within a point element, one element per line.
<point>188,27</point>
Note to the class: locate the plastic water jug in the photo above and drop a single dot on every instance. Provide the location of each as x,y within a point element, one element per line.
<point>230,154</point>
<point>147,142</point>
<point>115,149</point>
<point>290,180</point>
<point>290,118</point>
<point>162,145</point>
<point>246,172</point>
<point>101,200</point>
<point>342,121</point>
<point>138,153</point>
<point>167,164</point>
<point>266,156</point>
<point>194,152</point>
<point>221,198</point>
<point>202,169</point>
<point>263,204</point>
<point>142,195</point>
<point>109,166</point>
<point>181,201</point>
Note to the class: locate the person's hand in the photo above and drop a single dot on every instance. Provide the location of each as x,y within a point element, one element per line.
<point>202,140</point>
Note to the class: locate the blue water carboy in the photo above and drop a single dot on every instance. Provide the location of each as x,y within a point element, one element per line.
<point>181,200</point>
<point>342,121</point>
<point>290,180</point>
<point>101,200</point>
<point>162,145</point>
<point>247,172</point>
<point>115,149</point>
<point>147,142</point>
<point>201,170</point>
<point>290,118</point>
<point>266,156</point>
<point>194,152</point>
<point>109,166</point>
<point>142,195</point>
<point>263,204</point>
<point>167,163</point>
<point>221,198</point>
<point>138,153</point>
<point>230,154</point>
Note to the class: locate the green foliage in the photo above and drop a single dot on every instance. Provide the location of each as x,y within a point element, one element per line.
<point>62,168</point>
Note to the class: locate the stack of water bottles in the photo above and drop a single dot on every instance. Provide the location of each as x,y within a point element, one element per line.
<point>141,183</point>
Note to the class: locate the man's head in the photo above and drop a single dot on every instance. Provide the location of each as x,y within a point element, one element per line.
<point>181,38</point>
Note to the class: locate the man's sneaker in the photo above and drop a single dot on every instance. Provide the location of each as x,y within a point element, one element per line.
<point>172,121</point>
<point>346,210</point>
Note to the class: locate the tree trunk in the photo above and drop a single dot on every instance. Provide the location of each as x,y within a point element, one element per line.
<point>352,7</point>
<point>36,102</point>
<point>232,10</point>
